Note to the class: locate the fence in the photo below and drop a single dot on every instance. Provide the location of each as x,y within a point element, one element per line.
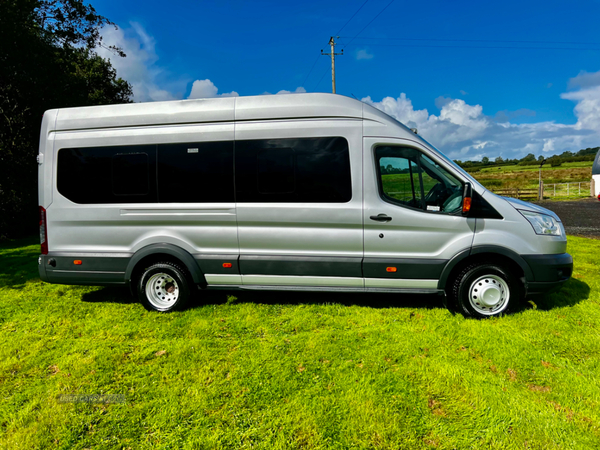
<point>577,189</point>
<point>554,190</point>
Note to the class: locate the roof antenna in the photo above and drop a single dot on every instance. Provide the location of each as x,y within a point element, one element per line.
<point>353,95</point>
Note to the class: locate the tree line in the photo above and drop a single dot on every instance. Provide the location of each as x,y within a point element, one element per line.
<point>47,60</point>
<point>587,154</point>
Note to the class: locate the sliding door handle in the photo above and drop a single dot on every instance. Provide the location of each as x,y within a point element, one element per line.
<point>381,218</point>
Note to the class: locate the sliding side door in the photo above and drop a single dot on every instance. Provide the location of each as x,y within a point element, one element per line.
<point>299,202</point>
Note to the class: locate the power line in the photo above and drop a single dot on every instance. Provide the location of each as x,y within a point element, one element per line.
<point>372,20</point>
<point>478,40</point>
<point>310,71</point>
<point>339,31</point>
<point>321,79</point>
<point>351,17</point>
<point>479,46</point>
<point>364,28</point>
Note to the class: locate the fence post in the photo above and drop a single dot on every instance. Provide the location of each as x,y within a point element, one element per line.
<point>568,189</point>
<point>592,187</point>
<point>554,189</point>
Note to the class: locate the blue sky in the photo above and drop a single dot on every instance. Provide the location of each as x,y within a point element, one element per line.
<point>461,72</point>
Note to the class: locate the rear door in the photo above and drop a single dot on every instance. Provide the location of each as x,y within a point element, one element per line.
<point>412,215</point>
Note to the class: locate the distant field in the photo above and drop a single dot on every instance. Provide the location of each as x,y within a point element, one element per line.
<point>526,177</point>
<point>295,370</point>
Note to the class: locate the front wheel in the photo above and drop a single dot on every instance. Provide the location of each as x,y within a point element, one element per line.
<point>485,290</point>
<point>164,287</point>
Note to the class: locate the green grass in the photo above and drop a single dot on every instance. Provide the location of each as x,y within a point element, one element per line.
<point>281,370</point>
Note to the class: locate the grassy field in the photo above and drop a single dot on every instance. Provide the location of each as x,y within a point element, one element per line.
<point>527,177</point>
<point>285,371</point>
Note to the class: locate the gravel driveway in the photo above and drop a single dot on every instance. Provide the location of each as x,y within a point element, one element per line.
<point>580,217</point>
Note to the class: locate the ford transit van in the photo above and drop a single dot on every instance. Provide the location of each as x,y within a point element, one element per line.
<point>303,192</point>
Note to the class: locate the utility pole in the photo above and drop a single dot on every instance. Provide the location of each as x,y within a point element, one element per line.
<point>332,54</point>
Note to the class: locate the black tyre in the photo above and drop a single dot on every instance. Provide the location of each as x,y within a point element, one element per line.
<point>164,287</point>
<point>485,290</point>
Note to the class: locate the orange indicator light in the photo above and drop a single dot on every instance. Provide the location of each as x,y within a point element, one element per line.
<point>227,265</point>
<point>466,205</point>
<point>391,269</point>
<point>77,262</point>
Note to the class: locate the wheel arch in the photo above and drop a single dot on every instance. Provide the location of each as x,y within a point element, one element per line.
<point>488,253</point>
<point>164,252</point>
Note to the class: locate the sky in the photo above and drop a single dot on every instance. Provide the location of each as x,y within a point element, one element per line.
<point>475,78</point>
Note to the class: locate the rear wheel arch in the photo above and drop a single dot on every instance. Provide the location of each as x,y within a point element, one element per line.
<point>156,253</point>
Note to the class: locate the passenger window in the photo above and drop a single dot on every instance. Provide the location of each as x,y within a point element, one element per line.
<point>312,170</point>
<point>275,171</point>
<point>130,174</point>
<point>409,178</point>
<point>197,172</point>
<point>95,175</point>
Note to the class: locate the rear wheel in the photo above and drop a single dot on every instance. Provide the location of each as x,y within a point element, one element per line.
<point>164,287</point>
<point>485,290</point>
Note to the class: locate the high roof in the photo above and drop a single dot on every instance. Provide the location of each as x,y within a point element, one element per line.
<point>596,166</point>
<point>227,109</point>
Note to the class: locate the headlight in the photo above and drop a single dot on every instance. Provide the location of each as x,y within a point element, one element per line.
<point>542,223</point>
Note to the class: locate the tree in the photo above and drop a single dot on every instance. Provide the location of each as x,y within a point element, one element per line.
<point>47,60</point>
<point>485,160</point>
<point>499,160</point>
<point>528,157</point>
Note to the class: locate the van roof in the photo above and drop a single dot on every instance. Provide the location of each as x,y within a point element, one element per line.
<point>225,109</point>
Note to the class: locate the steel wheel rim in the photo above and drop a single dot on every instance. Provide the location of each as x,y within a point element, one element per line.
<point>162,291</point>
<point>489,294</point>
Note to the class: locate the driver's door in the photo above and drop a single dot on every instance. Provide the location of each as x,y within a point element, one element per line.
<point>412,225</point>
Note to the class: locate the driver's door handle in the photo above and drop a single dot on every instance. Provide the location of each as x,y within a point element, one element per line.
<point>381,218</point>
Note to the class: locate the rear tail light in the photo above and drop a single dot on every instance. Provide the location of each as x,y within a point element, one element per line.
<point>43,231</point>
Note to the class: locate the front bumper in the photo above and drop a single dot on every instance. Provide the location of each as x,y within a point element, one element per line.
<point>550,272</point>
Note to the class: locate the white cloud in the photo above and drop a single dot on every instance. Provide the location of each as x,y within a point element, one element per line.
<point>207,89</point>
<point>299,90</point>
<point>139,66</point>
<point>364,54</point>
<point>149,81</point>
<point>587,109</point>
<point>464,132</point>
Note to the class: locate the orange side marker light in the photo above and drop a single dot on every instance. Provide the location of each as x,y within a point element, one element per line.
<point>77,262</point>
<point>390,269</point>
<point>227,265</point>
<point>466,205</point>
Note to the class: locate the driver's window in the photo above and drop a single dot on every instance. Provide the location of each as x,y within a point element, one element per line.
<point>409,178</point>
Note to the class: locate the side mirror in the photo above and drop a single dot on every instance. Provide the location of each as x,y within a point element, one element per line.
<point>467,196</point>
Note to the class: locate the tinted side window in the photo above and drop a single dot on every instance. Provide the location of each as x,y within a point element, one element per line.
<point>195,172</point>
<point>121,174</point>
<point>130,174</point>
<point>313,170</point>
